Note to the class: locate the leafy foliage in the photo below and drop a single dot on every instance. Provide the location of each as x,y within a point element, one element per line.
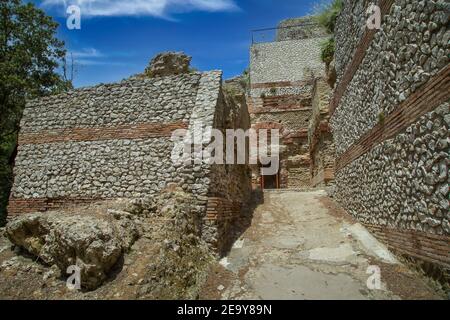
<point>326,15</point>
<point>245,80</point>
<point>29,57</point>
<point>328,48</point>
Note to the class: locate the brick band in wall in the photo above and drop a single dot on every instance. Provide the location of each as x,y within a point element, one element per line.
<point>217,209</point>
<point>138,131</point>
<point>273,104</point>
<point>435,92</point>
<point>222,209</point>
<point>353,66</point>
<point>298,134</point>
<point>280,84</point>
<point>425,246</point>
<point>23,206</point>
<point>221,215</point>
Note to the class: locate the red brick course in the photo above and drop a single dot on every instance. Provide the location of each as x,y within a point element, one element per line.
<point>222,209</point>
<point>217,208</point>
<point>435,92</point>
<point>353,66</point>
<point>424,246</point>
<point>285,103</point>
<point>23,206</point>
<point>280,84</point>
<point>138,131</point>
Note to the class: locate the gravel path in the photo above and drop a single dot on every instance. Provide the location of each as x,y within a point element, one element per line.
<point>302,246</point>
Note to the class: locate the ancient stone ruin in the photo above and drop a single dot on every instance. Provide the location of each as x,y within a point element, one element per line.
<point>385,119</point>
<point>114,141</point>
<point>390,122</point>
<point>167,64</point>
<point>286,93</point>
<point>94,170</point>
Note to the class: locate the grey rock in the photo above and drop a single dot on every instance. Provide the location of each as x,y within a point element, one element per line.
<point>92,243</point>
<point>168,63</point>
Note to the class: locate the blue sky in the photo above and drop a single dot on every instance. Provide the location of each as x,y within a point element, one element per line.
<point>119,37</point>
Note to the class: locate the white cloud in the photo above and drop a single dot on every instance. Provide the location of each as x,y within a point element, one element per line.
<point>85,57</point>
<point>93,57</point>
<point>156,8</point>
<point>89,62</point>
<point>86,53</point>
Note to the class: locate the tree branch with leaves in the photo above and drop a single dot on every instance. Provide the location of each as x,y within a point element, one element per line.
<point>30,55</point>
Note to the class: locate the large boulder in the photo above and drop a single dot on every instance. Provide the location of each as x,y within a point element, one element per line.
<point>94,243</point>
<point>168,64</point>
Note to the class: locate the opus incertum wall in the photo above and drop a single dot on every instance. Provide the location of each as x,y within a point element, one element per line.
<point>114,141</point>
<point>321,145</point>
<point>102,142</point>
<point>391,120</point>
<point>281,61</point>
<point>282,77</point>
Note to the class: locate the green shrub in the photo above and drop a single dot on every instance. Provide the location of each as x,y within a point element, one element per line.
<point>7,146</point>
<point>328,48</point>
<point>381,118</point>
<point>245,80</point>
<point>327,13</point>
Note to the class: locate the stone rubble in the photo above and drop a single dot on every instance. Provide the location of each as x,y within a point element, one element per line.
<point>103,237</point>
<point>92,243</point>
<point>168,64</point>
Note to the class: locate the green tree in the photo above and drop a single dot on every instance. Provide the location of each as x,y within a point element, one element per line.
<point>30,55</point>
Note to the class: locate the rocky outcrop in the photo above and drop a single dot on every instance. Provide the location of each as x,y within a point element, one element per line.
<point>169,257</point>
<point>180,257</point>
<point>168,64</point>
<point>93,243</point>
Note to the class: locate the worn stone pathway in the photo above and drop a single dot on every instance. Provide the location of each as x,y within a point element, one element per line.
<point>302,246</point>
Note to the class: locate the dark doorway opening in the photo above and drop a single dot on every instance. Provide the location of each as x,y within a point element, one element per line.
<point>270,182</point>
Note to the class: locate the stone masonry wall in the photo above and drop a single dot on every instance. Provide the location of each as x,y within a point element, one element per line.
<point>411,47</point>
<point>114,141</point>
<point>391,128</point>
<point>403,183</point>
<point>352,24</point>
<point>322,149</point>
<point>104,167</point>
<point>275,61</point>
<point>282,77</point>
<point>230,192</point>
<point>284,88</point>
<point>292,120</point>
<point>130,102</point>
<point>299,28</point>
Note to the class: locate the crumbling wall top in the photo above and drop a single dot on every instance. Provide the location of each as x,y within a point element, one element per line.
<point>299,28</point>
